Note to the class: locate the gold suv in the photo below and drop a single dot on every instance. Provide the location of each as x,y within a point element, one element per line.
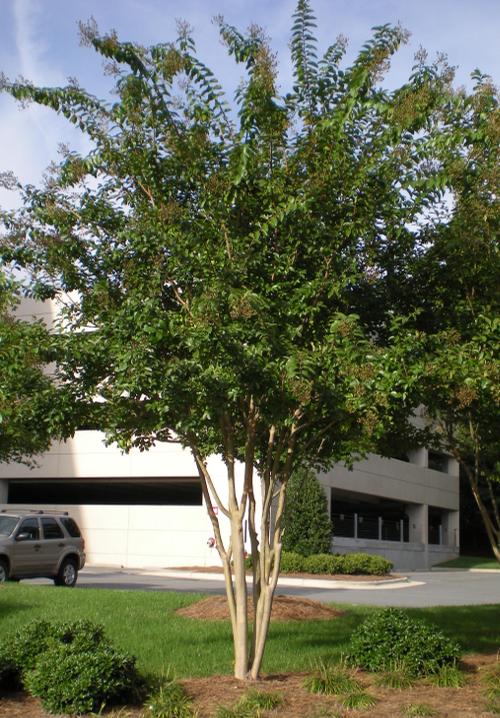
<point>40,544</point>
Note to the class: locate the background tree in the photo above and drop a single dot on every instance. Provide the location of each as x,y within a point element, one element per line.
<point>307,528</point>
<point>26,390</point>
<point>458,281</point>
<point>237,277</point>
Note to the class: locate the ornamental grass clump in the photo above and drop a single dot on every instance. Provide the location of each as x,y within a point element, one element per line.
<point>391,636</point>
<point>332,680</point>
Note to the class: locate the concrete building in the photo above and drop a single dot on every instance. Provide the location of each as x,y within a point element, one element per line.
<point>146,509</point>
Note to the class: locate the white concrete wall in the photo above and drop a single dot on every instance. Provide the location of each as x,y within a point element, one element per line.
<point>404,556</point>
<point>143,536</point>
<point>131,536</point>
<point>396,480</point>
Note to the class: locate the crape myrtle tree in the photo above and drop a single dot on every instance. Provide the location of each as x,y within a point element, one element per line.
<point>28,413</point>
<point>217,254</point>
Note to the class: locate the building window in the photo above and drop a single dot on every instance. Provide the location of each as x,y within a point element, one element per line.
<point>437,462</point>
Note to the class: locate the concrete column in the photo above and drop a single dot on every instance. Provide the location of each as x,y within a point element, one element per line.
<point>328,494</point>
<point>418,515</point>
<point>355,526</point>
<point>4,492</point>
<point>451,520</point>
<point>453,467</point>
<point>380,528</point>
<point>419,456</point>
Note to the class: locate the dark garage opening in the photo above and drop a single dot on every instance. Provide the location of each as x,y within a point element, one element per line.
<point>142,492</point>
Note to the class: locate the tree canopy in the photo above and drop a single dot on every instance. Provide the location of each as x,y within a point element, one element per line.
<point>243,278</point>
<point>27,392</point>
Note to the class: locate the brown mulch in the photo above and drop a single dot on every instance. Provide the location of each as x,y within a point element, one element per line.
<point>209,693</point>
<point>285,608</point>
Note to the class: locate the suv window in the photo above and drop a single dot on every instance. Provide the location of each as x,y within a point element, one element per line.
<point>30,526</point>
<point>51,529</point>
<point>7,525</point>
<point>71,527</point>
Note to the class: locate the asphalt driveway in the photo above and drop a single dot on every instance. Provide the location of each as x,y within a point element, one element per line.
<point>431,588</point>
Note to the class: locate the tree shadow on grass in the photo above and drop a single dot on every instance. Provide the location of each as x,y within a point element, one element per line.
<point>476,628</point>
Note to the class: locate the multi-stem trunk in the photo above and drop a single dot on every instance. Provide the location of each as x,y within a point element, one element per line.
<point>265,540</point>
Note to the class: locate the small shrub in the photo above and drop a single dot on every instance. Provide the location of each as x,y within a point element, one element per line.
<point>448,677</point>
<point>365,564</point>
<point>419,710</point>
<point>68,679</point>
<point>358,701</point>
<point>169,701</point>
<point>332,680</point>
<point>292,562</point>
<point>28,642</point>
<point>391,636</point>
<point>322,563</point>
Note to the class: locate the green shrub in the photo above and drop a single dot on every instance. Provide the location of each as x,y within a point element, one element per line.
<point>322,563</point>
<point>364,563</point>
<point>307,528</point>
<point>28,642</point>
<point>328,564</point>
<point>391,636</point>
<point>292,562</point>
<point>69,679</point>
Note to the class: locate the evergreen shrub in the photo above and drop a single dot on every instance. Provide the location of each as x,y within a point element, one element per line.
<point>71,679</point>
<point>307,528</point>
<point>292,562</point>
<point>71,666</point>
<point>392,637</point>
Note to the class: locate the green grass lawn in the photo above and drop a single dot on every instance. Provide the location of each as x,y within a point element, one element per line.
<point>470,562</point>
<point>145,624</point>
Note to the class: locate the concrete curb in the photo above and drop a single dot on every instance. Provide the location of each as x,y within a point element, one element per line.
<point>378,584</point>
<point>465,570</point>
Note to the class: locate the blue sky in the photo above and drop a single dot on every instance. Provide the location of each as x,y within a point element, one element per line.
<point>39,40</point>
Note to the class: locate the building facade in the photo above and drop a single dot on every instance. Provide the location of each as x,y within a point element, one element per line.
<point>145,509</point>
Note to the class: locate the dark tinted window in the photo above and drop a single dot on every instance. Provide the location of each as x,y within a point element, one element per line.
<point>30,526</point>
<point>71,527</point>
<point>51,529</point>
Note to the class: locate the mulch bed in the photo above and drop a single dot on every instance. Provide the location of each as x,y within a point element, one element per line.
<point>285,608</point>
<point>209,693</point>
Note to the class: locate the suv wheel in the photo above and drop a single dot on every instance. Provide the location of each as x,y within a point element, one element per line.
<point>4,571</point>
<point>68,573</point>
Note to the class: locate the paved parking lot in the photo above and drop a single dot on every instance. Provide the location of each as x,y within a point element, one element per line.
<point>433,588</point>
